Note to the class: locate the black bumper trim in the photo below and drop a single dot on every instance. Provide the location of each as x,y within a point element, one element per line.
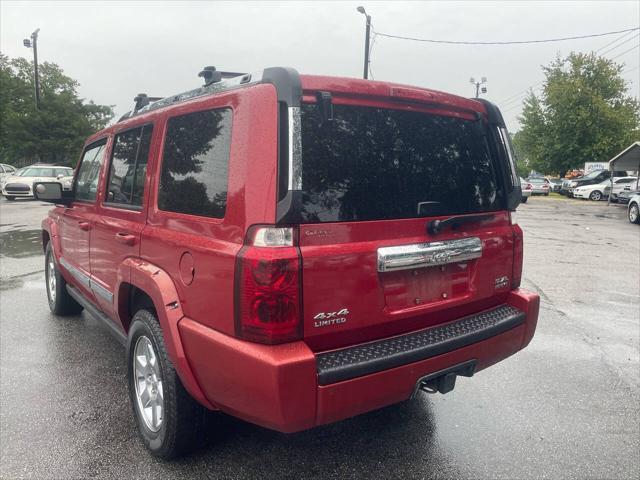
<point>360,360</point>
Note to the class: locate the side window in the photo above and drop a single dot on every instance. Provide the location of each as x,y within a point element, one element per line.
<point>129,166</point>
<point>195,164</point>
<point>86,183</point>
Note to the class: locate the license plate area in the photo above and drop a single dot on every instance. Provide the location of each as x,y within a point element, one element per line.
<point>421,286</point>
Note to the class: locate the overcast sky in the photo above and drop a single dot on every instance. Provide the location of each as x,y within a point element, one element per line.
<point>116,50</point>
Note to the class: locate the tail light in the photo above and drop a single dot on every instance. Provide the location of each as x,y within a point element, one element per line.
<point>529,186</point>
<point>518,251</point>
<point>268,287</point>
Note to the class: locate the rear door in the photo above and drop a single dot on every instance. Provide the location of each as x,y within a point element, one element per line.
<point>121,215</point>
<point>376,180</point>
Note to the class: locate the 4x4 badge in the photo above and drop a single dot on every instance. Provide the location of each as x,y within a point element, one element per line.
<point>502,281</point>
<point>324,319</point>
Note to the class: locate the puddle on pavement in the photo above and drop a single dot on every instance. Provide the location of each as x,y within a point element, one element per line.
<point>25,282</point>
<point>21,243</point>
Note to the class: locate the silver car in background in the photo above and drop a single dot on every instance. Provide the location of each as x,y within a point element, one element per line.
<point>539,186</point>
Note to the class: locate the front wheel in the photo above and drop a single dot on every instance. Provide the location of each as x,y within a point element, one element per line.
<point>524,199</point>
<point>10,198</point>
<point>60,302</point>
<point>170,422</point>
<point>634,213</point>
<point>596,196</point>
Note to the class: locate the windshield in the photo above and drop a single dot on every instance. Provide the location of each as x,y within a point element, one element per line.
<point>376,164</point>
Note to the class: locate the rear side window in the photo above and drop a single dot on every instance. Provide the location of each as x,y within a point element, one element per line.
<point>86,186</point>
<point>129,166</point>
<point>195,164</point>
<point>377,164</point>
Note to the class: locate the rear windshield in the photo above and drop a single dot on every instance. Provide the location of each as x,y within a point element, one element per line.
<point>377,164</point>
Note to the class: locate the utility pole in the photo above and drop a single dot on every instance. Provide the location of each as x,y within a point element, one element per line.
<point>366,42</point>
<point>482,81</point>
<point>29,44</point>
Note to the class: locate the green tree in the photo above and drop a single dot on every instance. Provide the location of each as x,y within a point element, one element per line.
<point>55,132</point>
<point>584,113</point>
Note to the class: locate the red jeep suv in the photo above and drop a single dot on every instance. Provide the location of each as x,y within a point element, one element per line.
<point>293,250</point>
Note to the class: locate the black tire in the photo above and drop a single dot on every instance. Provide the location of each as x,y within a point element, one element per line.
<point>546,194</point>
<point>60,302</point>
<point>183,419</point>
<point>595,196</point>
<point>10,198</point>
<point>634,213</point>
<point>524,199</point>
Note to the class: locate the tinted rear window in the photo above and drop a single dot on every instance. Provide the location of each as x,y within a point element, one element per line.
<point>378,164</point>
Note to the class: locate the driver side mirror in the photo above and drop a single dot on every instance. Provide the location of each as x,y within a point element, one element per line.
<point>51,192</point>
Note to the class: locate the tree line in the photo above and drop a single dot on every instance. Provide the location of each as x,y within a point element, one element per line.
<point>56,131</point>
<point>584,113</point>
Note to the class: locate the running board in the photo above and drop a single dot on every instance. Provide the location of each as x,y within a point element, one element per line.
<point>97,314</point>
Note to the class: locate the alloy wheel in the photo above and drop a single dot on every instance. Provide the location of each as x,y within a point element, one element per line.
<point>51,278</point>
<point>634,212</point>
<point>148,383</point>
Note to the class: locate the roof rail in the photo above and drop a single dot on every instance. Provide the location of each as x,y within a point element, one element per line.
<point>286,81</point>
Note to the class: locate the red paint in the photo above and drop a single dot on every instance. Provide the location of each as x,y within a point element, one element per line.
<point>285,396</point>
<point>193,293</point>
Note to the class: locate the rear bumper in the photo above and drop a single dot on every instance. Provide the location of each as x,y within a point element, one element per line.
<point>289,388</point>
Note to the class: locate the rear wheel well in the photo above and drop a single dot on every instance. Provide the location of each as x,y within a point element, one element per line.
<point>131,300</point>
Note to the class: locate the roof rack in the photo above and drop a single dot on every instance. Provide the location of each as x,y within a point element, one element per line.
<point>286,80</point>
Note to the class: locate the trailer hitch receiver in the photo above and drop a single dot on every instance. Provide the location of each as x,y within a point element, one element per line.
<point>444,381</point>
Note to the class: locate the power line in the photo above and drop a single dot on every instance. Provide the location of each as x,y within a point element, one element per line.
<point>626,51</point>
<point>609,50</point>
<point>517,96</point>
<point>514,42</point>
<point>613,41</point>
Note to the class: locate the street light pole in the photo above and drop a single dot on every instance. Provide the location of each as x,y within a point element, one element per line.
<point>482,81</point>
<point>366,42</point>
<point>29,44</point>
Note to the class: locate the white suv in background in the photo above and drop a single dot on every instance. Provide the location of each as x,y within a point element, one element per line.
<point>20,183</point>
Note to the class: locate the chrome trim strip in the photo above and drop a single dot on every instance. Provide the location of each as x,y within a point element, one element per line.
<point>76,273</point>
<point>101,291</point>
<point>428,254</point>
<point>86,281</point>
<point>295,149</point>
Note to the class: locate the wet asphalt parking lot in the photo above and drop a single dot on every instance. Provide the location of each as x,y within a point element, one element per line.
<point>565,407</point>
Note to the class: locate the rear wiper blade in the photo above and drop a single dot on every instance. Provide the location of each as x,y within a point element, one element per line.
<point>435,226</point>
